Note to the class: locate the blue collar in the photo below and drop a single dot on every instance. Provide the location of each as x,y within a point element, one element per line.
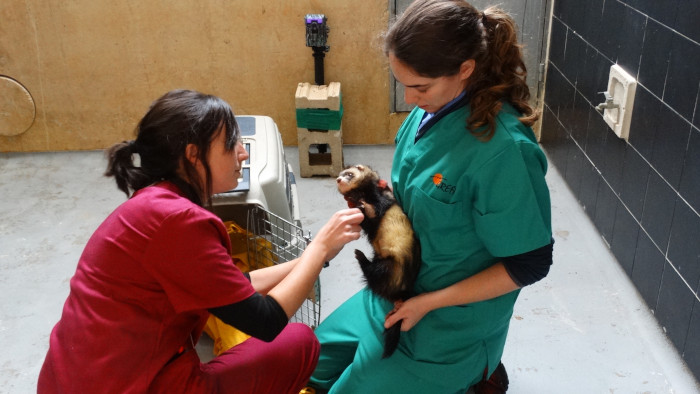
<point>429,119</point>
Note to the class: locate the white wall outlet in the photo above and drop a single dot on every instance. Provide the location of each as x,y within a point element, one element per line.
<point>619,101</point>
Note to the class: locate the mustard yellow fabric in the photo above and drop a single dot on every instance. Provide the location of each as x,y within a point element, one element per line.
<point>226,336</point>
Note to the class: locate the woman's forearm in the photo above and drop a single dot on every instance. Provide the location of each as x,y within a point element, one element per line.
<point>290,283</point>
<point>296,285</point>
<point>485,285</point>
<point>264,279</point>
<point>489,283</point>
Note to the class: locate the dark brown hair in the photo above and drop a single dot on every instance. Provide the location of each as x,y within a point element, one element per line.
<point>434,38</point>
<point>178,118</point>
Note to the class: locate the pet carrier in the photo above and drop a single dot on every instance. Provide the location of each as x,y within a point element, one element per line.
<point>267,180</point>
<point>272,240</point>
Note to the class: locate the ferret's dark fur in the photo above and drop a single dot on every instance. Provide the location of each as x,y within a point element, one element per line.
<point>393,270</point>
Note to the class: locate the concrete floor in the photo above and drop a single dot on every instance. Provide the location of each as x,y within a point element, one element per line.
<point>583,329</point>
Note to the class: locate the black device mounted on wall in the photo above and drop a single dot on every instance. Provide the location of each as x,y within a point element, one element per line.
<point>316,38</point>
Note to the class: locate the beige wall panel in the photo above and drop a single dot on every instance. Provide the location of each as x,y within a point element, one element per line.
<point>17,37</point>
<point>93,67</point>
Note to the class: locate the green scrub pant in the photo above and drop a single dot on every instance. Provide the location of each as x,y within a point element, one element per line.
<point>351,349</point>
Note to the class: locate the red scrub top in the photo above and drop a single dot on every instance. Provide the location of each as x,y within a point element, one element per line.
<point>140,293</point>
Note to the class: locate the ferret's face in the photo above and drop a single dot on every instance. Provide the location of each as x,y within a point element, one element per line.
<point>349,177</point>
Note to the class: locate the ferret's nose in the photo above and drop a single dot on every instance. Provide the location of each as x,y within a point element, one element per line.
<point>338,179</point>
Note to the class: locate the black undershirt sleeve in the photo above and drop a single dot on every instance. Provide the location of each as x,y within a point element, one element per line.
<point>258,316</point>
<point>527,268</point>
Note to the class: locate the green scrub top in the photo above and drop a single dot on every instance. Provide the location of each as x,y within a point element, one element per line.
<point>470,202</point>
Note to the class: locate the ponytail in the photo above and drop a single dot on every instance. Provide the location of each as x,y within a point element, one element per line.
<point>120,165</point>
<point>174,121</point>
<point>500,75</point>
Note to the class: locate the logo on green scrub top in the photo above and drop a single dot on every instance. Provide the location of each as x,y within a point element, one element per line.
<point>439,182</point>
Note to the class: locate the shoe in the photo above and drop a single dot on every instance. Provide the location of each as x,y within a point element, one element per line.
<point>496,384</point>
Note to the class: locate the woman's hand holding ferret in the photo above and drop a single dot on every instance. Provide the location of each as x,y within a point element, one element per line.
<point>411,311</point>
<point>341,228</point>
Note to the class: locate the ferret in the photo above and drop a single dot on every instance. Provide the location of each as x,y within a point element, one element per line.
<point>393,270</point>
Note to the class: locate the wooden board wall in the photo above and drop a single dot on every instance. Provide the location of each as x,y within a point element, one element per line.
<point>91,68</point>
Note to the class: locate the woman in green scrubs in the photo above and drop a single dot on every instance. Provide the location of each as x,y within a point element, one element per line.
<point>469,174</point>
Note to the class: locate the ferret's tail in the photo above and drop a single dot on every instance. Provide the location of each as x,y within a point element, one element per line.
<point>391,339</point>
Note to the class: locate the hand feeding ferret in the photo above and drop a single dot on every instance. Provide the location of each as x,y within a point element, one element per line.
<point>393,270</point>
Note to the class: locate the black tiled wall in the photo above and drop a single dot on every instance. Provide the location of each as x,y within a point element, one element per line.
<point>642,195</point>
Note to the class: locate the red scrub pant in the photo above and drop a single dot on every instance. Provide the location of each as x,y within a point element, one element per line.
<point>281,366</point>
<point>254,366</point>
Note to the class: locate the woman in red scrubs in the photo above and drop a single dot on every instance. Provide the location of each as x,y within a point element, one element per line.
<point>159,265</point>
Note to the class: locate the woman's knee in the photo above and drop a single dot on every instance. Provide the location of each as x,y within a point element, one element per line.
<point>292,356</point>
<point>299,338</point>
<point>297,346</point>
